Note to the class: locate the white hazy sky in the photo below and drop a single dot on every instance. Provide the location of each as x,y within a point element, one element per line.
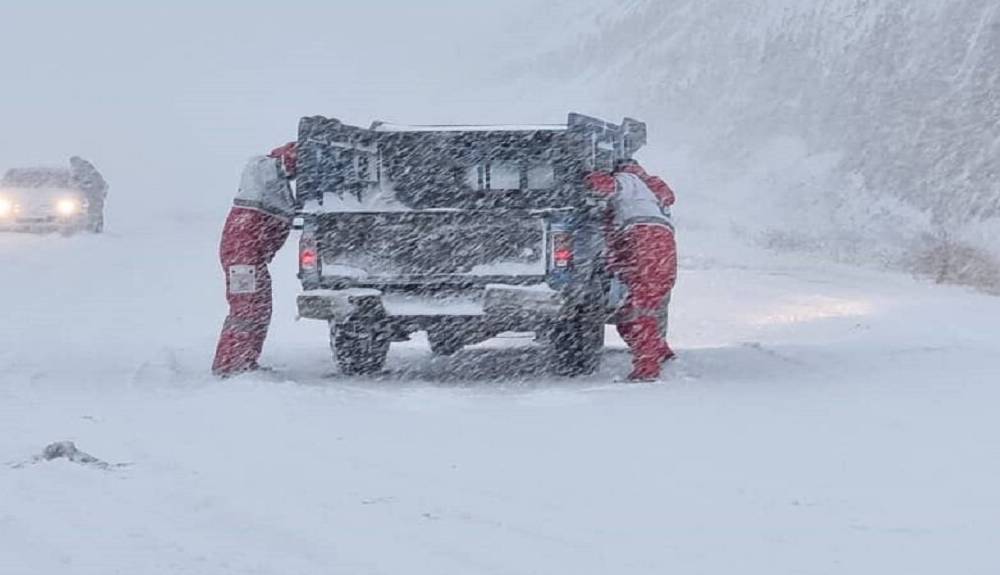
<point>169,100</point>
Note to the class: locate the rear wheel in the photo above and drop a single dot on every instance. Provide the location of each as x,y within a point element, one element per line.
<point>578,340</point>
<point>358,348</point>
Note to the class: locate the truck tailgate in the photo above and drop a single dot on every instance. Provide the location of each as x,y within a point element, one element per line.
<point>427,245</point>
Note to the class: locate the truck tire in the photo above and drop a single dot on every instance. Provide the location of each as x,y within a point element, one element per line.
<point>358,349</point>
<point>578,340</point>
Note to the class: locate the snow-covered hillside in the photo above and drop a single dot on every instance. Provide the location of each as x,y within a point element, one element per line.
<point>865,130</point>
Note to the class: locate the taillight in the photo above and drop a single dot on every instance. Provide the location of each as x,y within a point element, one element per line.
<point>308,259</point>
<point>308,256</point>
<point>562,250</point>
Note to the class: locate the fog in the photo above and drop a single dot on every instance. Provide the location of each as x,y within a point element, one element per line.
<point>169,100</point>
<point>844,128</point>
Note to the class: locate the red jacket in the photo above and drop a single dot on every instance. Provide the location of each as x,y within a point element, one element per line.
<point>619,247</point>
<point>261,217</point>
<point>604,183</point>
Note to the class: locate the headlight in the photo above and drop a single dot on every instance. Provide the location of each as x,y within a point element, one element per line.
<point>6,207</point>
<point>68,206</point>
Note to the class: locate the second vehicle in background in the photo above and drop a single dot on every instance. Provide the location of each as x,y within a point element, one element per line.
<point>44,199</point>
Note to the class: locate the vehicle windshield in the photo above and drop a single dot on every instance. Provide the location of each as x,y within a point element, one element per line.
<point>38,178</point>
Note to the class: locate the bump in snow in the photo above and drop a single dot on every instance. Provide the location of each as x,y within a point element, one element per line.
<point>67,450</point>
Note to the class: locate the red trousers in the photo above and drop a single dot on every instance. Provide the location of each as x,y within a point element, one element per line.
<point>645,259</point>
<point>249,242</point>
<point>245,328</point>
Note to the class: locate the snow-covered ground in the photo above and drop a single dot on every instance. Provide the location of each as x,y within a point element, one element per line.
<point>820,419</point>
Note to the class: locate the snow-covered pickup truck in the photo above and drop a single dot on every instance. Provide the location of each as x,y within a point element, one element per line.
<point>464,232</point>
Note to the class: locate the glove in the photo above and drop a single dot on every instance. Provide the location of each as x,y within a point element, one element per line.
<point>288,156</point>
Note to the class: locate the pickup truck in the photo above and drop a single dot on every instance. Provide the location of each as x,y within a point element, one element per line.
<point>463,232</point>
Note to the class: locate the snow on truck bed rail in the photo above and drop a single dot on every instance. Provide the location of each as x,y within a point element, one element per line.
<point>334,203</point>
<point>382,127</point>
<point>346,204</point>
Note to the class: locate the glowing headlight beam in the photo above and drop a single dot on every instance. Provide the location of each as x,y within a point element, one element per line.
<point>6,207</point>
<point>67,206</point>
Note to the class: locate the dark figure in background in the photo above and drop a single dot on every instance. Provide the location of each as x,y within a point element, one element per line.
<point>89,181</point>
<point>642,254</point>
<point>257,226</point>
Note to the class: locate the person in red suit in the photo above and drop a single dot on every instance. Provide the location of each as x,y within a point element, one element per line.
<point>257,226</point>
<point>642,254</point>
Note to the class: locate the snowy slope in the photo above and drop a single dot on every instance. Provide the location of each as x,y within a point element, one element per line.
<point>821,420</point>
<point>884,116</point>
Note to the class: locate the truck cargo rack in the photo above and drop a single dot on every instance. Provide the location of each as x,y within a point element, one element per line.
<point>458,166</point>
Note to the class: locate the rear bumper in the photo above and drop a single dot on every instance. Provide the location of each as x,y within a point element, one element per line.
<point>337,305</point>
<point>502,307</point>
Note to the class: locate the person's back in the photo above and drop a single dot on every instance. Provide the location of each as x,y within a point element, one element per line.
<point>88,180</point>
<point>643,256</point>
<point>257,226</point>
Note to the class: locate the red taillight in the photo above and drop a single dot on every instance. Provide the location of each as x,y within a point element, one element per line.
<point>308,259</point>
<point>563,258</point>
<point>308,256</point>
<point>562,250</point>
